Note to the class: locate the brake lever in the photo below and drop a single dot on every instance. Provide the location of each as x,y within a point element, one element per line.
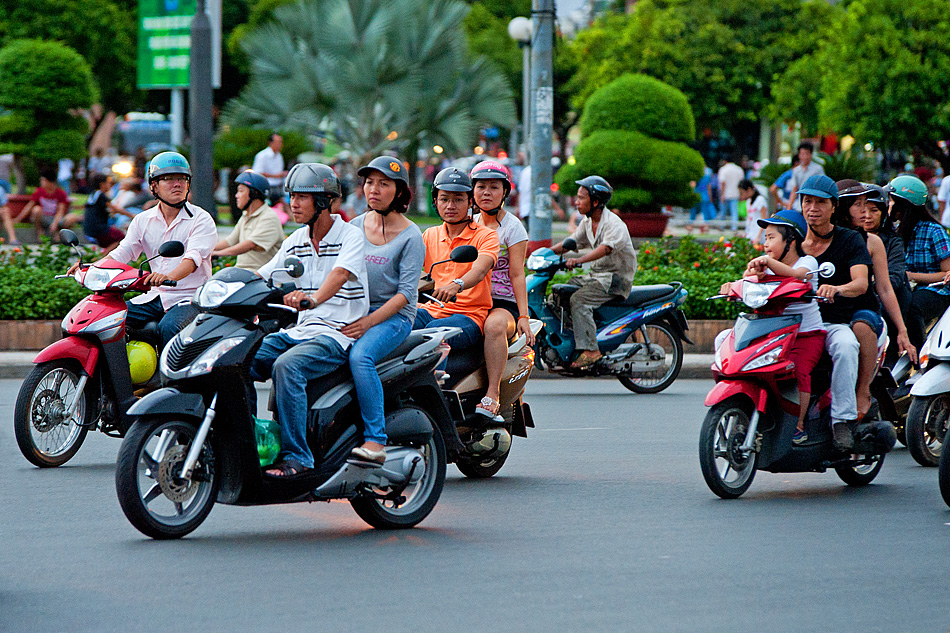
<point>433,299</point>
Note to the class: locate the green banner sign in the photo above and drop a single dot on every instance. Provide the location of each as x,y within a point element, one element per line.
<point>164,43</point>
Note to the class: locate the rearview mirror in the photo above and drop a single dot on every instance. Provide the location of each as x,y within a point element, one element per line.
<point>464,254</point>
<point>569,244</point>
<point>68,238</point>
<point>172,248</point>
<point>294,267</point>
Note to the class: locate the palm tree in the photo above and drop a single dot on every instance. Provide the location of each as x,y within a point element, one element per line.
<point>361,70</point>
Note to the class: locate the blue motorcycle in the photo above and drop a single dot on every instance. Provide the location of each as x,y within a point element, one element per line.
<point>641,338</point>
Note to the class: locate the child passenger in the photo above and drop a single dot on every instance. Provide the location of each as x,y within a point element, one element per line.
<point>784,256</point>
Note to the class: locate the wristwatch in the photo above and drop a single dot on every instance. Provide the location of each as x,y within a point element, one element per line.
<point>460,283</point>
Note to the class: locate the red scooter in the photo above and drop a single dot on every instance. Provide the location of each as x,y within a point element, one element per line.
<point>85,380</point>
<point>755,403</point>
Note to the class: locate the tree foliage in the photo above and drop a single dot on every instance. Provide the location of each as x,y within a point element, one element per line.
<point>41,84</point>
<point>102,31</point>
<point>234,148</point>
<point>881,72</point>
<point>401,66</point>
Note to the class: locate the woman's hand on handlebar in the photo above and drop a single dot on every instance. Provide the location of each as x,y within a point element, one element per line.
<point>446,293</point>
<point>296,297</point>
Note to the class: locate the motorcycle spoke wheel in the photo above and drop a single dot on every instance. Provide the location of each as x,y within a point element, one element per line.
<point>153,496</point>
<point>926,426</point>
<point>727,471</point>
<point>44,434</point>
<point>664,348</point>
<point>418,499</point>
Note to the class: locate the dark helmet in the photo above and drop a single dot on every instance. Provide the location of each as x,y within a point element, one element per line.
<point>492,170</point>
<point>849,187</point>
<point>255,182</point>
<point>393,169</point>
<point>598,188</point>
<point>167,163</point>
<point>313,178</point>
<point>452,179</point>
<point>877,195</point>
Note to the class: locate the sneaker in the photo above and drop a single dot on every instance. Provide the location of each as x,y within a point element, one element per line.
<point>843,440</point>
<point>799,437</point>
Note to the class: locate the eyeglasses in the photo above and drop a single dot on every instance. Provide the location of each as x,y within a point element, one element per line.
<point>175,178</point>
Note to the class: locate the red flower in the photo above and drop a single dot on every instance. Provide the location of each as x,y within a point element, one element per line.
<point>656,268</point>
<point>695,264</point>
<point>728,244</point>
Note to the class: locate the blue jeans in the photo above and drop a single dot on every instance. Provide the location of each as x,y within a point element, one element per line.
<point>373,346</point>
<point>169,323</point>
<point>471,333</point>
<point>732,207</point>
<point>292,363</point>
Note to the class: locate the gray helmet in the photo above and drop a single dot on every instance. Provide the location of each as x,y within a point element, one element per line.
<point>877,195</point>
<point>598,188</point>
<point>255,182</point>
<point>451,179</point>
<point>313,178</point>
<point>390,167</point>
<point>167,163</point>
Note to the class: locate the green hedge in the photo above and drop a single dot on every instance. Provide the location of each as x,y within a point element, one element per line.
<point>638,103</point>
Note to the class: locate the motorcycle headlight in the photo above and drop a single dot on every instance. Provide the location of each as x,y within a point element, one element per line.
<point>97,279</point>
<point>207,360</point>
<point>537,262</point>
<point>756,295</point>
<point>214,292</point>
<point>765,359</point>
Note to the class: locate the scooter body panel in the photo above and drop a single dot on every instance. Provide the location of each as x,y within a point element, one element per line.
<point>83,350</point>
<point>934,381</point>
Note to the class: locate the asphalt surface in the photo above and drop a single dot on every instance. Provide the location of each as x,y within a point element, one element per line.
<point>600,521</point>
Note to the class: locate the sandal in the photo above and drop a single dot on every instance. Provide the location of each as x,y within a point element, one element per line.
<point>489,408</point>
<point>584,361</point>
<point>286,468</point>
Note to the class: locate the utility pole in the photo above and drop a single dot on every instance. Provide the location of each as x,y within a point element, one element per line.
<point>542,101</point>
<point>200,120</point>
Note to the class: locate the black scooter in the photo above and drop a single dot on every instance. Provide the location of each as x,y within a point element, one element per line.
<point>193,442</point>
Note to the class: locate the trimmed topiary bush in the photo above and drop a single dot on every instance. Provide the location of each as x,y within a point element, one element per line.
<point>638,103</point>
<point>634,132</point>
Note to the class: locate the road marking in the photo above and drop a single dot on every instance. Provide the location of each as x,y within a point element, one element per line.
<point>589,428</point>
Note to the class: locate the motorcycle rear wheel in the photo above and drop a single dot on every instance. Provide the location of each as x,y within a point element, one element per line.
<point>420,497</point>
<point>858,476</point>
<point>655,381</point>
<point>722,433</point>
<point>927,424</point>
<point>154,499</point>
<point>43,437</point>
<point>476,468</point>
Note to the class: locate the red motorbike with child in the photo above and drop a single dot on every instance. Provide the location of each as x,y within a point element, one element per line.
<point>89,378</point>
<point>755,405</point>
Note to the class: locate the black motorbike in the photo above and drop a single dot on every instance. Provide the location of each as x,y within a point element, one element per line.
<point>193,442</point>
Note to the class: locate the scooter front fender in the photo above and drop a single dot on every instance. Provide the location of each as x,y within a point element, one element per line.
<point>727,388</point>
<point>169,401</point>
<point>84,351</point>
<point>935,380</point>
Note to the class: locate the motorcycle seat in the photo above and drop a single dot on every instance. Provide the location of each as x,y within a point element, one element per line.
<point>643,294</point>
<point>147,333</point>
<point>463,362</point>
<point>564,291</point>
<point>414,338</point>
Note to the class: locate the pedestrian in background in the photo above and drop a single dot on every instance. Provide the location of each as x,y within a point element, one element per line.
<point>729,176</point>
<point>269,162</point>
<point>805,169</point>
<point>705,208</point>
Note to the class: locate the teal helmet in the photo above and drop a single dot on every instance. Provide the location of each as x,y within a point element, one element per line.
<point>167,163</point>
<point>910,188</point>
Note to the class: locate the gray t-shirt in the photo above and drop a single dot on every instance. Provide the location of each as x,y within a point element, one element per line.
<point>800,175</point>
<point>394,267</point>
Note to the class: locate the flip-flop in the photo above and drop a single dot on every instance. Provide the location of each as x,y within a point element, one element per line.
<point>286,468</point>
<point>485,407</point>
<point>584,364</point>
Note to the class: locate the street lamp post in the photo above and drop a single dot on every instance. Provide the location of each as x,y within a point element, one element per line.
<point>200,120</point>
<point>520,30</point>
<point>542,122</point>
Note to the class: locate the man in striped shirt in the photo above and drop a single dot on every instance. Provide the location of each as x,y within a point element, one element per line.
<point>334,280</point>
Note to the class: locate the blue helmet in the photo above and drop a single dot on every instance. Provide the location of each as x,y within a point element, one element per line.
<point>167,163</point>
<point>792,219</point>
<point>820,186</point>
<point>255,182</point>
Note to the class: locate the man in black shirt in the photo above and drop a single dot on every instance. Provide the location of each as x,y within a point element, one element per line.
<point>852,317</point>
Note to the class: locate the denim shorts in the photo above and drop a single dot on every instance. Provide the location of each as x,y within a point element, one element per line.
<point>870,317</point>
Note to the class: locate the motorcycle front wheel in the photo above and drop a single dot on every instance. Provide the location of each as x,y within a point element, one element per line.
<point>926,426</point>
<point>727,472</point>
<point>153,496</point>
<point>44,434</point>
<point>665,345</point>
<point>417,500</point>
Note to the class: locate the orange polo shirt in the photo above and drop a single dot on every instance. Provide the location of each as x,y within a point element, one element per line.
<point>474,302</point>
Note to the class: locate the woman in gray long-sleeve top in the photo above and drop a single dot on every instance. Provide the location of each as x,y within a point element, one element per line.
<point>394,253</point>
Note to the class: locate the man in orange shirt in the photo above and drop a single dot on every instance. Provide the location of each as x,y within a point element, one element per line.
<point>468,284</point>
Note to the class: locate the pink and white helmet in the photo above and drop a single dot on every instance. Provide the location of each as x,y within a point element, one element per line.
<point>492,170</point>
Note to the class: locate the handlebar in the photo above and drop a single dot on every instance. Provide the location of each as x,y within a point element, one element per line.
<point>306,304</point>
<point>170,282</point>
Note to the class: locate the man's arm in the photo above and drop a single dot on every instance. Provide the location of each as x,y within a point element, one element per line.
<point>854,288</point>
<point>25,213</point>
<point>222,249</point>
<point>60,214</point>
<point>601,251</point>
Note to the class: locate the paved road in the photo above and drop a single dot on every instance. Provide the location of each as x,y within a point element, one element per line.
<point>599,522</point>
